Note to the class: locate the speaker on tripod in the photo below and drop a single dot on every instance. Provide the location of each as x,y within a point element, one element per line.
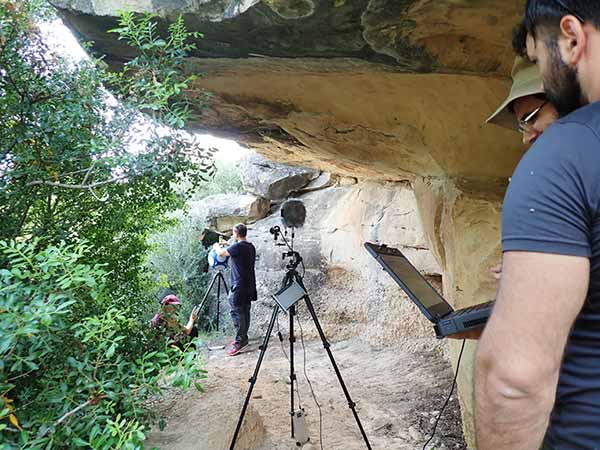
<point>286,299</point>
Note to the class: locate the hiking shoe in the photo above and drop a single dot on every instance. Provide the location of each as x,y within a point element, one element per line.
<point>235,348</point>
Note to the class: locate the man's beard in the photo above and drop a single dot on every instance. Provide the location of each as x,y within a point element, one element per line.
<point>562,85</point>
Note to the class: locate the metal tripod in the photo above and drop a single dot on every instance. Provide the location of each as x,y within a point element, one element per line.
<point>219,279</point>
<point>290,276</point>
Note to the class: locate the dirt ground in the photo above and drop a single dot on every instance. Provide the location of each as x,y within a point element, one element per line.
<point>398,396</point>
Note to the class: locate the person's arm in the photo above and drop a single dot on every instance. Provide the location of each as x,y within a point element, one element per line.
<point>191,321</point>
<point>156,320</point>
<point>519,355</point>
<point>547,218</point>
<point>221,251</point>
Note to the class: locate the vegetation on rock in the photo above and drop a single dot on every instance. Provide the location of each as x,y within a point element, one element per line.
<point>80,192</point>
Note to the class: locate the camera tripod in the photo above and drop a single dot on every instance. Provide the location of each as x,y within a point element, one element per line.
<point>291,276</point>
<point>219,279</point>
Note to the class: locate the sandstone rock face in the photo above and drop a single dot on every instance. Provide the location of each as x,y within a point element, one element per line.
<point>462,221</point>
<point>350,291</point>
<point>377,90</point>
<point>223,211</point>
<point>270,180</point>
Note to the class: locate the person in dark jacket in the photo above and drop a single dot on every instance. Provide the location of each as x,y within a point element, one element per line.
<point>243,285</point>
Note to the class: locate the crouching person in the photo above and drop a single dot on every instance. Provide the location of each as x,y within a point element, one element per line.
<point>167,321</point>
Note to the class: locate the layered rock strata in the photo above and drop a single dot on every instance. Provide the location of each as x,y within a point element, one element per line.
<point>377,90</point>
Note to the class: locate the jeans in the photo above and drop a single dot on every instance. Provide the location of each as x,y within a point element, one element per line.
<point>240,315</point>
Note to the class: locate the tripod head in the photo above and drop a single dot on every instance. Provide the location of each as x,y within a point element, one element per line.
<point>295,260</point>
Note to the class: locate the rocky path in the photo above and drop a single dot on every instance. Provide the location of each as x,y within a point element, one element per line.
<point>398,395</point>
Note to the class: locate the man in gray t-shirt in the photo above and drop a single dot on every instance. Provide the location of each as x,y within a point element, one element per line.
<point>537,371</point>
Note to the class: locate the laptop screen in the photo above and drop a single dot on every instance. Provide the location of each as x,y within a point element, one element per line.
<point>418,286</point>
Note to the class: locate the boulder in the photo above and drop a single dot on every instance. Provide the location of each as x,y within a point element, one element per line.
<point>223,211</point>
<point>271,180</point>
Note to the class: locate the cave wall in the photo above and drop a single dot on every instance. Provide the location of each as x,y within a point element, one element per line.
<point>379,90</point>
<point>462,222</point>
<point>351,293</point>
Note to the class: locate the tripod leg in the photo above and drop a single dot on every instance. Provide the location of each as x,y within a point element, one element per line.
<point>224,284</point>
<point>220,275</point>
<point>212,283</point>
<point>327,346</point>
<point>252,380</point>
<point>292,313</point>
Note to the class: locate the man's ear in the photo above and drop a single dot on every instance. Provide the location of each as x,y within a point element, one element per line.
<point>572,40</point>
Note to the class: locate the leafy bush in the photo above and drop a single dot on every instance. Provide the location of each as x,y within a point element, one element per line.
<point>75,363</point>
<point>178,260</point>
<point>227,180</point>
<point>77,358</point>
<point>67,171</point>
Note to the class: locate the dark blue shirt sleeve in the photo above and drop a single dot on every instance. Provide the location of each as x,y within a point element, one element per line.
<point>552,199</point>
<point>234,249</point>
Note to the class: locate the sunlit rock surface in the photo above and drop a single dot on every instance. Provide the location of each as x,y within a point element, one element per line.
<point>377,90</point>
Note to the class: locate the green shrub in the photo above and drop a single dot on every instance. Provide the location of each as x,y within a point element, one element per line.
<point>226,180</point>
<point>76,364</point>
<point>177,260</point>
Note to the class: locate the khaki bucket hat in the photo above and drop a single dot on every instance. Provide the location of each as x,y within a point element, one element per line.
<point>526,81</point>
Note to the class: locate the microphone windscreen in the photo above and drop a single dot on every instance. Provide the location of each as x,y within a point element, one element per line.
<point>293,213</point>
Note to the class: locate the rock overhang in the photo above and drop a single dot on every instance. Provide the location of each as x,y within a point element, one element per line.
<point>379,89</point>
<point>374,89</point>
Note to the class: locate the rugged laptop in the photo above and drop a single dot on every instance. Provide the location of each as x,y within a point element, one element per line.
<point>445,319</point>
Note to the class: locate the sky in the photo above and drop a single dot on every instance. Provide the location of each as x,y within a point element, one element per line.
<point>60,38</point>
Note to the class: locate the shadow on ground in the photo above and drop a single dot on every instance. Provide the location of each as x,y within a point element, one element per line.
<point>398,395</point>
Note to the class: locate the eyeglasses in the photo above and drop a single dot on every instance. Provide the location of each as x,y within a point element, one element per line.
<point>525,124</point>
<point>569,10</point>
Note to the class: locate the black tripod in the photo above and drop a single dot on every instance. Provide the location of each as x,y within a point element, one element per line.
<point>219,279</point>
<point>291,276</point>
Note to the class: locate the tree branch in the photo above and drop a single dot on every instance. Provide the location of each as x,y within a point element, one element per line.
<point>77,186</point>
<point>92,401</point>
<point>75,411</point>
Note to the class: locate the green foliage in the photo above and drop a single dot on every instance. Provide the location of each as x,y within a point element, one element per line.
<point>177,260</point>
<point>66,149</point>
<point>157,84</point>
<point>75,363</point>
<point>227,180</point>
<point>77,359</point>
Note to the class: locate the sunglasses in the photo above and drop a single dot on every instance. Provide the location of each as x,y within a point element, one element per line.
<point>525,125</point>
<point>569,10</point>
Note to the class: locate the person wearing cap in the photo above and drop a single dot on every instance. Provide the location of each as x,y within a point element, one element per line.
<point>168,321</point>
<point>526,108</point>
<point>527,111</point>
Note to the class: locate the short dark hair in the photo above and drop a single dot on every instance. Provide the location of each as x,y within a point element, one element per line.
<point>241,229</point>
<point>519,39</point>
<point>548,13</point>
